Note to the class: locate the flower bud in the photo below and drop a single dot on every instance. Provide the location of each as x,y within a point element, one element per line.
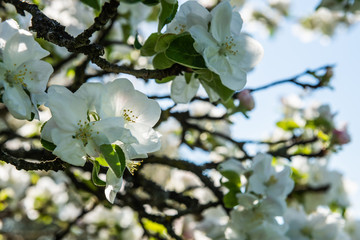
<point>246,100</point>
<point>341,136</point>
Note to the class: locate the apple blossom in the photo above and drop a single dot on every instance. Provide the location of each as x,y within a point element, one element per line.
<point>190,14</point>
<point>265,180</point>
<point>23,75</point>
<point>226,51</point>
<point>138,112</point>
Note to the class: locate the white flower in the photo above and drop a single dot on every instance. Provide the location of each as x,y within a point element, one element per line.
<point>265,180</point>
<point>76,131</point>
<point>319,225</point>
<point>226,51</point>
<point>139,114</point>
<point>190,14</point>
<point>23,75</point>
<point>255,219</point>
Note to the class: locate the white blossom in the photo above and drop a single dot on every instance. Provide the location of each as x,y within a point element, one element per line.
<point>226,51</point>
<point>23,75</point>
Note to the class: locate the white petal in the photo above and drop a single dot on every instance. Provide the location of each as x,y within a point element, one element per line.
<point>113,185</point>
<point>36,74</point>
<point>249,52</point>
<point>203,38</point>
<point>220,22</point>
<point>148,138</point>
<point>8,29</point>
<point>22,48</point>
<point>121,96</point>
<point>110,130</point>
<point>17,102</point>
<point>71,151</point>
<point>46,130</point>
<point>91,93</point>
<point>66,109</point>
<point>236,23</point>
<point>235,81</point>
<point>117,91</point>
<point>216,62</point>
<point>181,92</point>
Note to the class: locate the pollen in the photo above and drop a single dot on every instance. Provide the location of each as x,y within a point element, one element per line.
<point>84,132</point>
<point>129,116</point>
<point>227,46</point>
<point>132,166</point>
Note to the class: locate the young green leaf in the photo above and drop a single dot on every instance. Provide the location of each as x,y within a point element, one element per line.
<point>111,158</point>
<point>148,49</point>
<point>95,175</point>
<point>167,13</point>
<point>160,61</point>
<point>47,145</point>
<point>164,41</point>
<point>181,51</point>
<point>121,156</point>
<point>92,3</point>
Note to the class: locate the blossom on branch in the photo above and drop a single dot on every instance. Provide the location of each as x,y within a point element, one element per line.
<point>226,51</point>
<point>23,76</point>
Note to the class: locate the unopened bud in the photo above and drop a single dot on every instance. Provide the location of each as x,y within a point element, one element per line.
<point>341,136</point>
<point>246,100</point>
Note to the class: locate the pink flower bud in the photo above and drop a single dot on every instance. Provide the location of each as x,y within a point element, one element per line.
<point>246,100</point>
<point>341,136</point>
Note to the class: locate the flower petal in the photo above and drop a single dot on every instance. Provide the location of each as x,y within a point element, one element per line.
<point>91,93</point>
<point>113,185</point>
<point>110,130</point>
<point>71,151</point>
<point>36,74</point>
<point>236,23</point>
<point>22,48</point>
<point>17,102</point>
<point>148,138</point>
<point>181,92</point>
<point>61,101</point>
<point>220,22</point>
<point>203,39</point>
<point>249,52</point>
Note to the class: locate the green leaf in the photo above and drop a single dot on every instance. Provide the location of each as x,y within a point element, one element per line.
<point>181,50</point>
<point>92,3</point>
<point>233,177</point>
<point>160,61</point>
<point>165,80</point>
<point>121,156</point>
<point>164,41</point>
<point>148,49</point>
<point>167,13</point>
<point>287,124</point>
<point>230,200</point>
<point>95,175</point>
<point>137,44</point>
<point>213,81</point>
<point>111,158</point>
<point>47,145</point>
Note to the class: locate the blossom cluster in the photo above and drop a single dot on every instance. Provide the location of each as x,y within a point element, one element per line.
<point>218,38</point>
<point>85,125</point>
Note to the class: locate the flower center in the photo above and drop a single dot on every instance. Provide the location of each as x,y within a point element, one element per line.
<point>129,116</point>
<point>180,28</point>
<point>227,47</point>
<point>84,132</point>
<point>17,78</point>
